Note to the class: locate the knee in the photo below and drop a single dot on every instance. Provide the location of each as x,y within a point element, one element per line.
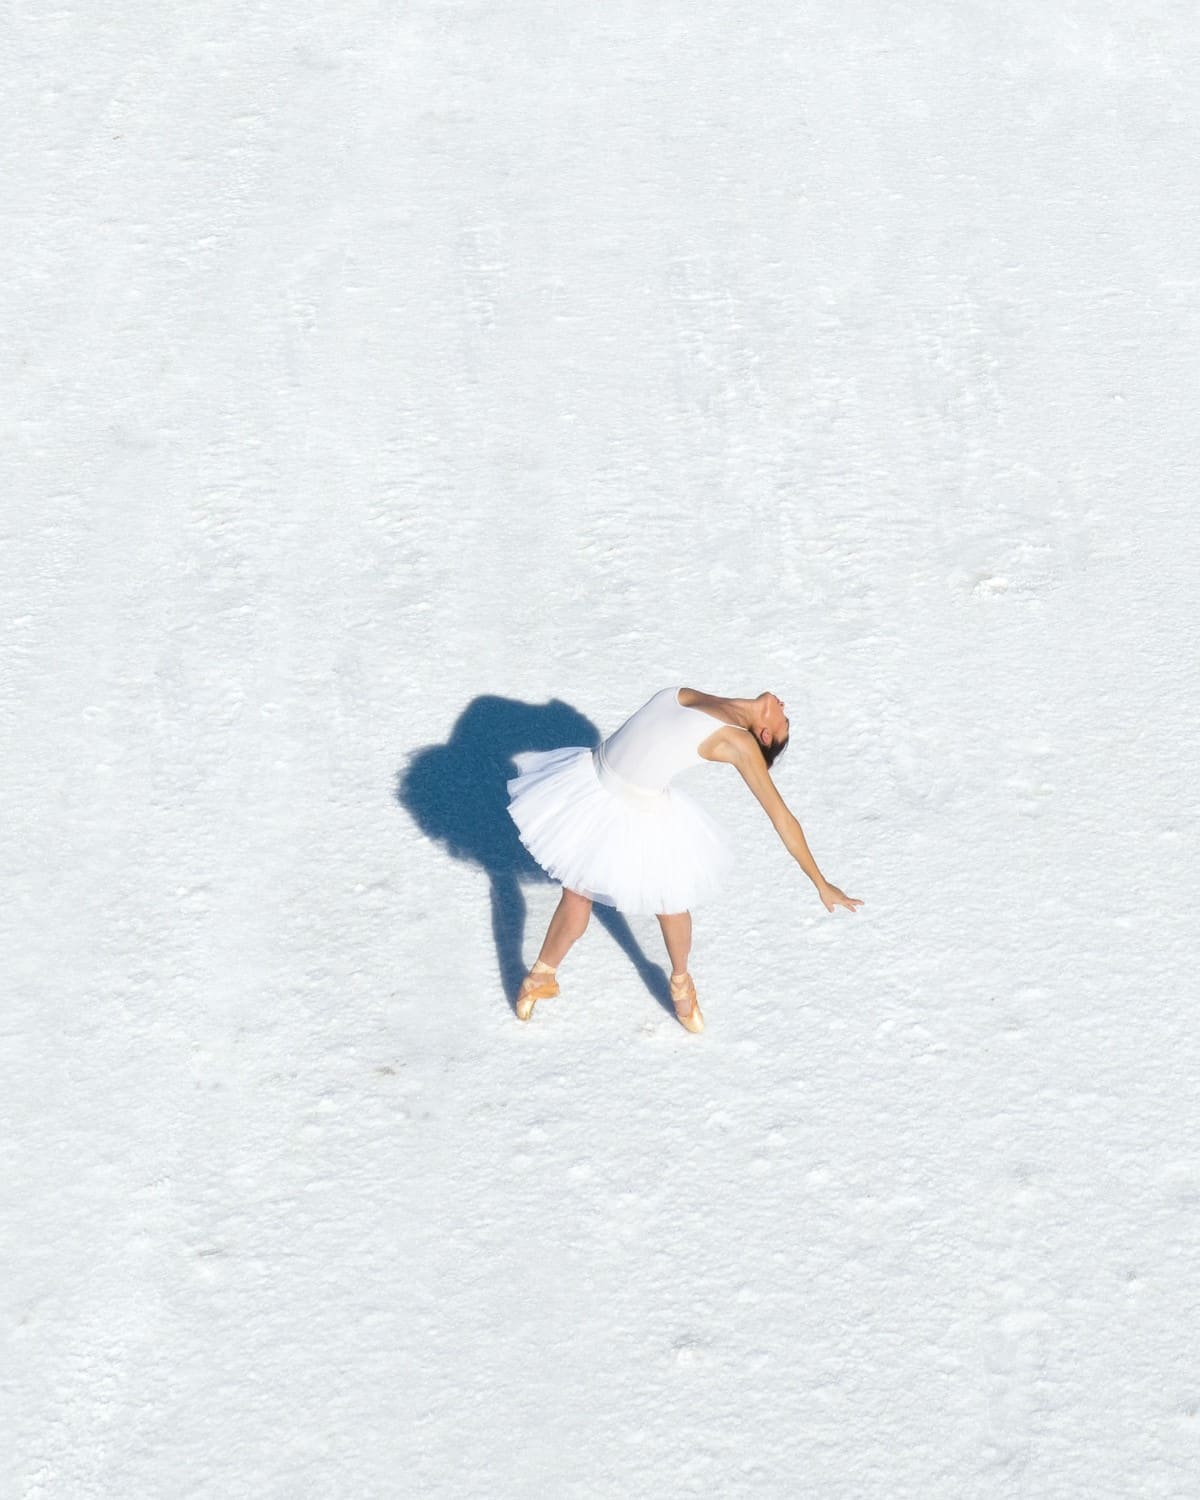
<point>579,906</point>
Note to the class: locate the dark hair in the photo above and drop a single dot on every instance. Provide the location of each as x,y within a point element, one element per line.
<point>774,750</point>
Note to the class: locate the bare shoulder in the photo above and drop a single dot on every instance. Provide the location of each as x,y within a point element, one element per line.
<point>709,703</point>
<point>731,745</point>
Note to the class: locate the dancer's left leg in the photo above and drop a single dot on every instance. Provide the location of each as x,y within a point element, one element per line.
<point>677,934</point>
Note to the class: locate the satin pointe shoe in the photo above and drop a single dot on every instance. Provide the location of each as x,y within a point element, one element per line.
<point>538,984</point>
<point>683,997</point>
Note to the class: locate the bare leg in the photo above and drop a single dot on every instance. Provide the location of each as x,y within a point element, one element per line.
<point>567,926</point>
<point>677,934</point>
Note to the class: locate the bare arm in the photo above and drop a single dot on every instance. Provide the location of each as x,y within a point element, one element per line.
<point>737,750</point>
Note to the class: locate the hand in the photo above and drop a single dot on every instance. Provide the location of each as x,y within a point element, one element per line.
<point>831,897</point>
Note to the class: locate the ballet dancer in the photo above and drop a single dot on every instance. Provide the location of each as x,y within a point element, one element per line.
<point>609,825</point>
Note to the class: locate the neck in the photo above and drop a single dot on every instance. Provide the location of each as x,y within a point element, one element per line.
<point>743,710</point>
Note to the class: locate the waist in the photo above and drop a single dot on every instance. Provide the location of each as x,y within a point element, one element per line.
<point>614,782</point>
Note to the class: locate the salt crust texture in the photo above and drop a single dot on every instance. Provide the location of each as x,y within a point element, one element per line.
<point>388,389</point>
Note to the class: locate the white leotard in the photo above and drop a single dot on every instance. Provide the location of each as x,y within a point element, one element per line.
<point>655,744</point>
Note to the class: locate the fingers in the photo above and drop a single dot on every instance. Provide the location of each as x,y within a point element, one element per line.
<point>851,903</point>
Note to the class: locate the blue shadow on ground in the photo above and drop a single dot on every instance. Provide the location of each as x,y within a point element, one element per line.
<point>456,795</point>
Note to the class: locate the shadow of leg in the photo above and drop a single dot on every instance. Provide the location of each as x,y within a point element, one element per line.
<point>652,975</point>
<point>508,932</point>
<point>457,796</point>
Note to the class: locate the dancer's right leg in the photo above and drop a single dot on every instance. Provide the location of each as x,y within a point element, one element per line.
<point>567,926</point>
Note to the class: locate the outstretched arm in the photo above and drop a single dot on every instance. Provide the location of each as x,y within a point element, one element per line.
<point>753,770</point>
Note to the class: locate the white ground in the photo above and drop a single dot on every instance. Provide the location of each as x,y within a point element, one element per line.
<point>365,361</point>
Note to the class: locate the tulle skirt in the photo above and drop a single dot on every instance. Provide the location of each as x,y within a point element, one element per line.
<point>641,851</point>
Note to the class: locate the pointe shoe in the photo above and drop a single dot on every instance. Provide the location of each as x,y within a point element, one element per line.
<point>538,984</point>
<point>683,998</point>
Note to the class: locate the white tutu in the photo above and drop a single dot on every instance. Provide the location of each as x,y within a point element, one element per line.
<point>644,852</point>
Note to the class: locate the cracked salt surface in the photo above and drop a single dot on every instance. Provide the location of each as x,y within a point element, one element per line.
<point>388,393</point>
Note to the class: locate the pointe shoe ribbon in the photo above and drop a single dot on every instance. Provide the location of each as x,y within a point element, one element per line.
<point>538,984</point>
<point>683,998</point>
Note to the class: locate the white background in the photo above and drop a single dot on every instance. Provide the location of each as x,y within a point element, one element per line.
<point>373,369</point>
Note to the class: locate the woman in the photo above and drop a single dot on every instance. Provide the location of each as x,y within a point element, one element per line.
<point>609,826</point>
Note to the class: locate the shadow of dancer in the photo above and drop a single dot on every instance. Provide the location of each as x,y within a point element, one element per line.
<point>456,795</point>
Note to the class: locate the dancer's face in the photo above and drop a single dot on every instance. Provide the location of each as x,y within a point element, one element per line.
<point>773,717</point>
